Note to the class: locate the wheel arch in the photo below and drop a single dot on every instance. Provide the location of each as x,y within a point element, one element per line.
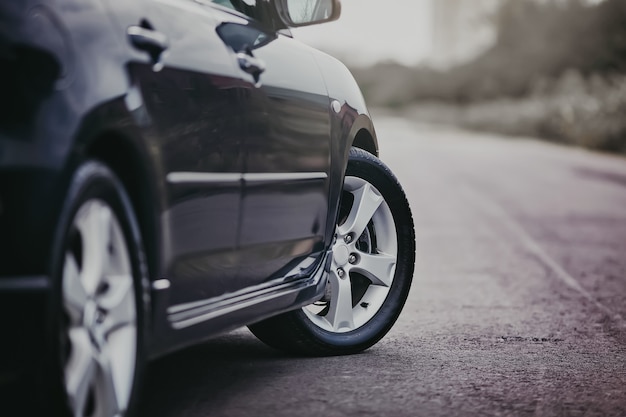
<point>351,128</point>
<point>125,160</point>
<point>365,140</point>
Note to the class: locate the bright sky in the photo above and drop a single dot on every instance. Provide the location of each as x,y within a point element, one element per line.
<point>369,31</point>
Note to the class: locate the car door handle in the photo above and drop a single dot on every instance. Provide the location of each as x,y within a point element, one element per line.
<point>251,64</point>
<point>150,41</point>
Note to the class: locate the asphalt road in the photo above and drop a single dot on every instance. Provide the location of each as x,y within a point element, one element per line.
<point>518,305</point>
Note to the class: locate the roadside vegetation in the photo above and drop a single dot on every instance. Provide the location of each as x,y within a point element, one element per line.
<point>557,70</point>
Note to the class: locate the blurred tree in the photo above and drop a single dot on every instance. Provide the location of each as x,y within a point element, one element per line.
<point>538,39</point>
<point>556,70</point>
<point>537,42</point>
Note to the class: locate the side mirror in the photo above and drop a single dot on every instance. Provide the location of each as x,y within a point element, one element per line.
<point>295,13</point>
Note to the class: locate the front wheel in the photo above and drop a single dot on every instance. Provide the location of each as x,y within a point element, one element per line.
<point>372,269</point>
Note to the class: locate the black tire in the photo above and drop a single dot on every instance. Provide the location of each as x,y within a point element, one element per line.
<point>312,333</point>
<point>106,304</point>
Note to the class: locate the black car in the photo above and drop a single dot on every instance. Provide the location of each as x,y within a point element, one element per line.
<point>171,169</point>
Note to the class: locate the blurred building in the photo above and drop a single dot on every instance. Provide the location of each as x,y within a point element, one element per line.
<point>462,29</point>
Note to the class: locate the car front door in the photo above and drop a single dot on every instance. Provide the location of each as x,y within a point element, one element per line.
<point>286,150</point>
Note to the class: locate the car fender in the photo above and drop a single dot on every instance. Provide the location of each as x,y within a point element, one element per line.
<point>351,125</point>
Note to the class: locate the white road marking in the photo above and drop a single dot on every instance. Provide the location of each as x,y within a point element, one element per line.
<point>490,206</point>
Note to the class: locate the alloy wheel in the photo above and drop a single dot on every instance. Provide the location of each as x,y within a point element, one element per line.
<point>100,314</point>
<point>365,253</point>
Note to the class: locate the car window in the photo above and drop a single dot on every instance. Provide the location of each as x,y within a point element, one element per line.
<point>247,7</point>
<point>257,10</point>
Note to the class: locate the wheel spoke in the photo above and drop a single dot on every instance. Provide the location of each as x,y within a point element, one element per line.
<point>340,314</point>
<point>95,224</point>
<point>80,371</point>
<point>122,348</point>
<point>74,293</point>
<point>366,202</point>
<point>109,400</point>
<point>378,268</point>
<point>119,303</point>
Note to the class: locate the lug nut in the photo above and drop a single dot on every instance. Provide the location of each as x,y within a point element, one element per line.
<point>341,272</point>
<point>352,259</point>
<point>347,238</point>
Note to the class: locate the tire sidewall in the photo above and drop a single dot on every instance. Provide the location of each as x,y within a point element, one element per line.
<point>93,180</point>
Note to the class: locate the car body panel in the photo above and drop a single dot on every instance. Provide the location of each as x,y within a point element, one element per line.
<point>235,181</point>
<point>195,130</point>
<point>286,152</point>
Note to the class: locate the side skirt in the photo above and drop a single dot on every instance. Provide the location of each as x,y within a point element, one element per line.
<point>183,325</point>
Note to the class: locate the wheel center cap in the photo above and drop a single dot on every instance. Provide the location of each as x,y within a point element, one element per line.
<point>341,254</point>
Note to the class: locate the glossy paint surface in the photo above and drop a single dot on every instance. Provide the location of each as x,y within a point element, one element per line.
<point>286,153</point>
<point>234,173</point>
<point>196,128</point>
